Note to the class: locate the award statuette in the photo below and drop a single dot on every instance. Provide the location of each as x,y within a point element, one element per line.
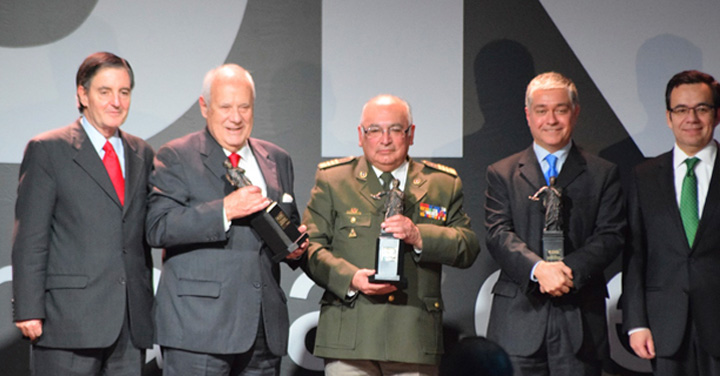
<point>553,238</point>
<point>390,256</point>
<point>272,224</point>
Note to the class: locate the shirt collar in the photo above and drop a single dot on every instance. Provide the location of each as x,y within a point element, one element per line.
<point>399,173</point>
<point>97,139</point>
<point>541,153</point>
<point>707,154</point>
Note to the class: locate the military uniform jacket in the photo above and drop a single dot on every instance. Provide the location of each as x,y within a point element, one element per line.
<point>344,223</point>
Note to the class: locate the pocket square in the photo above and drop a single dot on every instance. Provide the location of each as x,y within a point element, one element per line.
<point>286,198</point>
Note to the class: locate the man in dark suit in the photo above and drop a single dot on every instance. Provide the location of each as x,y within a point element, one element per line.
<point>82,271</point>
<point>219,309</point>
<point>671,278</point>
<point>550,316</point>
<point>368,328</point>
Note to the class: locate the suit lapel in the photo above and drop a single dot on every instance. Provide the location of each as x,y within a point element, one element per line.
<point>415,188</point>
<point>268,168</point>
<point>529,169</point>
<point>133,169</point>
<point>712,200</point>
<point>573,167</point>
<point>213,159</point>
<point>89,160</point>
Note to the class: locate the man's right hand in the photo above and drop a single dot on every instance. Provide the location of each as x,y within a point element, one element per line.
<point>244,201</point>
<point>361,283</point>
<point>642,343</point>
<point>555,278</point>
<point>30,328</point>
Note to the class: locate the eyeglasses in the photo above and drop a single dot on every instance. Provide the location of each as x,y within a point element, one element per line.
<point>700,110</point>
<point>374,132</point>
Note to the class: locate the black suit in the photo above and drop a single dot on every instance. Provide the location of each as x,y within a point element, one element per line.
<point>215,285</point>
<point>594,221</point>
<point>666,283</point>
<point>80,260</point>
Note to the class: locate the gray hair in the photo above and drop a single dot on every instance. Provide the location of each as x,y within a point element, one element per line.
<point>392,97</point>
<point>551,80</point>
<point>210,78</point>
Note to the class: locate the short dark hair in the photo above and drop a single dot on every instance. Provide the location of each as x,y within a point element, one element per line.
<point>93,63</point>
<point>693,77</point>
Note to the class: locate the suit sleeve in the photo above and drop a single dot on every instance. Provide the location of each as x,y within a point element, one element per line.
<point>634,263</point>
<point>513,255</point>
<point>33,218</point>
<point>325,268</point>
<point>175,216</point>
<point>606,239</point>
<point>454,244</point>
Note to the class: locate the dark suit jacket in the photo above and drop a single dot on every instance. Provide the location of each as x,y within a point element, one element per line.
<point>80,259</point>
<point>665,281</point>
<point>344,223</point>
<point>594,224</point>
<point>214,283</point>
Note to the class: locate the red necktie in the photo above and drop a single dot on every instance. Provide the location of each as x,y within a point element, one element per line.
<point>234,159</point>
<point>112,164</point>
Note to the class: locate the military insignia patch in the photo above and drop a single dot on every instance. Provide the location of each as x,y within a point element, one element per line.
<point>352,233</point>
<point>353,211</point>
<point>433,212</point>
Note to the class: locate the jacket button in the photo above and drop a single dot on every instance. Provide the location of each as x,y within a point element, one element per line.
<point>391,298</point>
<point>437,304</point>
<point>353,219</point>
<point>256,285</point>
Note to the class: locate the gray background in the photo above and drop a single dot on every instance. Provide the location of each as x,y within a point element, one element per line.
<point>620,54</point>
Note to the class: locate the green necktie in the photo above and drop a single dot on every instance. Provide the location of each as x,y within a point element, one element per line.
<point>387,179</point>
<point>689,201</point>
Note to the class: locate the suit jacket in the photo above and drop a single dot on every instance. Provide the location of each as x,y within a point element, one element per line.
<point>594,225</point>
<point>80,260</point>
<point>214,283</point>
<point>344,223</point>
<point>665,281</point>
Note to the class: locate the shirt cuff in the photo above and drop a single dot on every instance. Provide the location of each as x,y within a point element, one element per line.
<point>225,221</point>
<point>532,272</point>
<point>635,330</point>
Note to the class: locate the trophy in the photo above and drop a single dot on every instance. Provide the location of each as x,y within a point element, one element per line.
<point>390,256</point>
<point>272,224</point>
<point>553,238</point>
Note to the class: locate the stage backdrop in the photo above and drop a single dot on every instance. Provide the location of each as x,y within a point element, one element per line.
<point>463,66</point>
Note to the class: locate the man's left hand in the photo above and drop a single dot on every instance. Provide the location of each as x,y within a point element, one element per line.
<point>296,254</point>
<point>403,228</point>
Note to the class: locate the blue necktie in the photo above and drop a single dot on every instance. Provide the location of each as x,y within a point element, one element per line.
<point>551,171</point>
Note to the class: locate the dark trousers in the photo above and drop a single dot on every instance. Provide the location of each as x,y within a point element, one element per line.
<point>258,361</point>
<point>690,360</point>
<point>556,356</point>
<point>122,358</point>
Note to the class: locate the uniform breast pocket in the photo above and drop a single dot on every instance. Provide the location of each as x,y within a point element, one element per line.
<point>350,225</point>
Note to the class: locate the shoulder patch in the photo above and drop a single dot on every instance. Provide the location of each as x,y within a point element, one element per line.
<point>440,167</point>
<point>334,162</point>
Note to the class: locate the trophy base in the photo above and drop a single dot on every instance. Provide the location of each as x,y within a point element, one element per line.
<point>277,231</point>
<point>389,262</point>
<point>553,246</point>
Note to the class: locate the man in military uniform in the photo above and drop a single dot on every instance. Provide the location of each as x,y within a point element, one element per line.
<point>379,328</point>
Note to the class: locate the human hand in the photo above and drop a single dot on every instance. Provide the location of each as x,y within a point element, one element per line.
<point>403,228</point>
<point>296,254</point>
<point>244,201</point>
<point>360,282</point>
<point>555,278</point>
<point>30,328</point>
<point>642,343</point>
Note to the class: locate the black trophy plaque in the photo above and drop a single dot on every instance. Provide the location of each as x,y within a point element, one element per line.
<point>272,224</point>
<point>390,255</point>
<point>553,238</point>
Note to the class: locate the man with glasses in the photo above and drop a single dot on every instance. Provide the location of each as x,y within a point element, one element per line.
<point>549,314</point>
<point>368,328</point>
<point>671,275</point>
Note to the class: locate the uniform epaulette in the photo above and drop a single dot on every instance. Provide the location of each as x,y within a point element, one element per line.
<point>334,162</point>
<point>443,168</point>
